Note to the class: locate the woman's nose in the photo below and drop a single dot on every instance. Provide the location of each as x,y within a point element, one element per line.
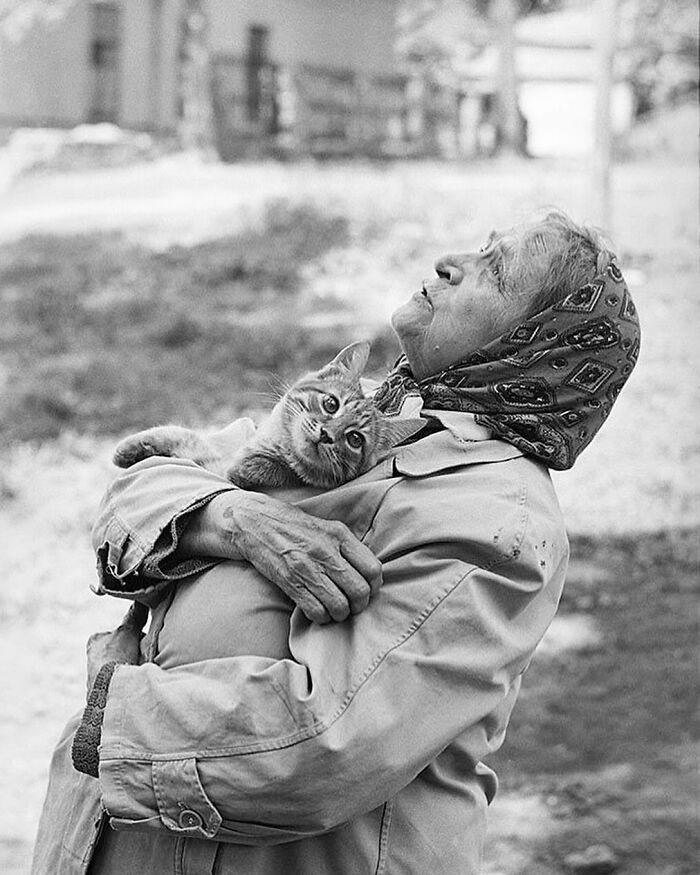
<point>448,268</point>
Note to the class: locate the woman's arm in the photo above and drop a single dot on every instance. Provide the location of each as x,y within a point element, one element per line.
<point>163,520</point>
<point>269,750</point>
<point>317,563</point>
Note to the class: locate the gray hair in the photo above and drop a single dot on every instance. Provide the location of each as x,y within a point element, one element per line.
<point>556,257</point>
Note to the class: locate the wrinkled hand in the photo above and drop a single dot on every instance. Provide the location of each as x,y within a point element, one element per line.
<point>120,645</point>
<point>319,564</point>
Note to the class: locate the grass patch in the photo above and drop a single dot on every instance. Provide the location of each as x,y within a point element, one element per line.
<point>634,693</point>
<point>606,737</point>
<point>102,335</point>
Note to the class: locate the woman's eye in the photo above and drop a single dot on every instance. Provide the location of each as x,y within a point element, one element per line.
<point>443,274</point>
<point>354,439</point>
<point>330,404</point>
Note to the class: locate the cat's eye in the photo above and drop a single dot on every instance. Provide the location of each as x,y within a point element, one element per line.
<point>355,439</point>
<point>330,404</point>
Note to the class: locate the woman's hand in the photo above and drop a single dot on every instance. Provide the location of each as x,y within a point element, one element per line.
<point>319,564</point>
<point>120,645</point>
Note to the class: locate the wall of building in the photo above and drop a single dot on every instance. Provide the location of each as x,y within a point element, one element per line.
<point>45,73</point>
<point>47,77</point>
<point>355,34</point>
<point>150,36</point>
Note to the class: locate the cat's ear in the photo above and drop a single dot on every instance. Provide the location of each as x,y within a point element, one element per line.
<point>353,358</point>
<point>393,431</point>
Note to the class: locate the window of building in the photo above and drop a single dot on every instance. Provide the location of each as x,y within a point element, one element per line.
<point>256,70</point>
<point>104,59</point>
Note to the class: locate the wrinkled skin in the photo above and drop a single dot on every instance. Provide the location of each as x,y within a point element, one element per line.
<point>317,563</point>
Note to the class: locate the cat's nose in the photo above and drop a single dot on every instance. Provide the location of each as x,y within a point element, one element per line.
<point>324,437</point>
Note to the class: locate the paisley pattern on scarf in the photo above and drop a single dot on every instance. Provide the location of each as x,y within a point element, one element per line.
<point>548,384</point>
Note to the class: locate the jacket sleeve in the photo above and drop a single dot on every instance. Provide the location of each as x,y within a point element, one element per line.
<point>140,521</point>
<point>256,750</point>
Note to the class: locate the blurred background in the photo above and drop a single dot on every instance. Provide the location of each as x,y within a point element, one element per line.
<point>198,198</point>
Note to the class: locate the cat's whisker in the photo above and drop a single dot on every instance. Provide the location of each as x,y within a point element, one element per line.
<point>276,394</point>
<point>336,467</point>
<point>301,441</point>
<point>294,406</point>
<point>268,396</point>
<point>306,424</point>
<point>278,386</point>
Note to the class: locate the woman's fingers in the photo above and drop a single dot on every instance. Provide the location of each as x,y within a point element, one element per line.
<point>363,561</point>
<point>342,581</point>
<point>312,581</point>
<point>120,645</point>
<point>312,608</point>
<point>135,618</point>
<point>332,565</point>
<point>314,561</point>
<point>322,591</point>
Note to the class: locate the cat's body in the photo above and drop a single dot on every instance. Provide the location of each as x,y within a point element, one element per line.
<point>322,432</point>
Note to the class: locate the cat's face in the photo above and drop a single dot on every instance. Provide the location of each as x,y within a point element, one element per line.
<point>335,433</point>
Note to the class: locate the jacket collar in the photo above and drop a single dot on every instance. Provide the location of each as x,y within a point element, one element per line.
<point>462,441</point>
<point>463,426</point>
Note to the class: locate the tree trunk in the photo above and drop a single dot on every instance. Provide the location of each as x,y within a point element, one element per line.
<point>602,158</point>
<point>511,127</point>
<point>155,61</point>
<point>196,123</point>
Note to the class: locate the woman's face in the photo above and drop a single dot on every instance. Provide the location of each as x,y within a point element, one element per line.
<point>462,309</point>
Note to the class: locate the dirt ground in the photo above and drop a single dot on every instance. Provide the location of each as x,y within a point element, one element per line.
<point>602,745</point>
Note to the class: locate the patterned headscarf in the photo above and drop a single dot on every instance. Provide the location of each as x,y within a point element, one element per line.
<point>548,384</point>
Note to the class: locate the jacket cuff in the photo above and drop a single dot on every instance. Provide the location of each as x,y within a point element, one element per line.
<point>154,571</point>
<point>140,521</point>
<point>87,738</point>
<point>161,564</point>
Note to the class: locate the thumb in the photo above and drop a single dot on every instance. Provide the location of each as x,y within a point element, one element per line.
<point>135,618</point>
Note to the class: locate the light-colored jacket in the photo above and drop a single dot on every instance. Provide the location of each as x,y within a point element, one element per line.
<point>344,749</point>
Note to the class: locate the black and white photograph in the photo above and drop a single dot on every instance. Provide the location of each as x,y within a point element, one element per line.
<point>349,437</point>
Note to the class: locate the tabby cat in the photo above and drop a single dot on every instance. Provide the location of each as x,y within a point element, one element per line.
<point>322,432</point>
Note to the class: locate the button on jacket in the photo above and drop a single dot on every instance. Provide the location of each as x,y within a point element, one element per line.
<point>257,742</point>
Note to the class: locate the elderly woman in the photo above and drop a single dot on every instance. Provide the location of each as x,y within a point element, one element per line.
<point>254,740</point>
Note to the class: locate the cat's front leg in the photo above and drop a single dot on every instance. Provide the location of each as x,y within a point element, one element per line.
<point>163,440</point>
<point>255,469</point>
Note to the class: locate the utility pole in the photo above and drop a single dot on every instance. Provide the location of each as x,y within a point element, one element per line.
<point>504,14</point>
<point>602,155</point>
<point>155,61</point>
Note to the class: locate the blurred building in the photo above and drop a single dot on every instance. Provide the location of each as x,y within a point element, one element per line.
<point>556,67</point>
<point>295,74</point>
<point>305,76</point>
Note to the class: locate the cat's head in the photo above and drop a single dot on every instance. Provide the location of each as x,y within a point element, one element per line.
<point>336,433</point>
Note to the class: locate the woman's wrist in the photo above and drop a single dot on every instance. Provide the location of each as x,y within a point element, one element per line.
<point>213,529</point>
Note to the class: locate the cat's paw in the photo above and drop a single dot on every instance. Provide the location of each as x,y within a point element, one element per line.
<point>135,449</point>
